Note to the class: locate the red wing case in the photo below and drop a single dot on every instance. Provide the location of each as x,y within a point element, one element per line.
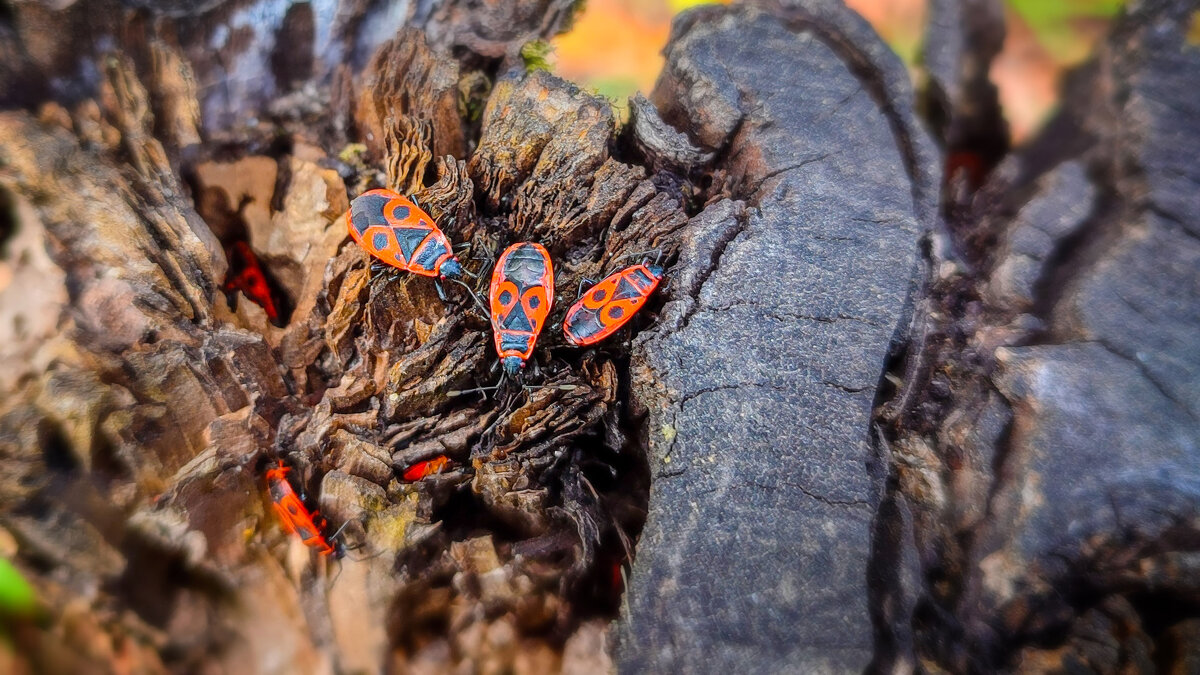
<point>396,231</point>
<point>521,294</point>
<point>609,305</point>
<point>249,279</point>
<point>294,516</point>
<point>426,468</point>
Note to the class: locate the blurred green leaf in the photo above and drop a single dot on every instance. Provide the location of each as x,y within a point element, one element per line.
<point>1052,22</point>
<point>16,595</point>
<point>615,89</point>
<point>908,48</point>
<point>536,55</point>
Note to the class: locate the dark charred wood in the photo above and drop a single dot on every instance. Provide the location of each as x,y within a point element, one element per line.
<point>855,439</point>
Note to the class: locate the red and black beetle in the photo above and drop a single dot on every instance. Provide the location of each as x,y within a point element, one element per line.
<point>521,294</point>
<point>610,304</point>
<point>296,518</point>
<point>392,228</point>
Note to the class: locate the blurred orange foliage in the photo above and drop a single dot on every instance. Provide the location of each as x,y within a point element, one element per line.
<point>615,47</point>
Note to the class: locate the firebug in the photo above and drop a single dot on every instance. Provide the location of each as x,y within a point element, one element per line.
<point>296,518</point>
<point>426,468</point>
<point>610,304</point>
<point>392,228</point>
<point>247,276</point>
<point>521,294</point>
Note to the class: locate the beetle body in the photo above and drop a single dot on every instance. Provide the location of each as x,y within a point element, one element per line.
<point>296,518</point>
<point>398,232</point>
<point>249,279</point>
<point>426,468</point>
<point>521,294</point>
<point>610,304</point>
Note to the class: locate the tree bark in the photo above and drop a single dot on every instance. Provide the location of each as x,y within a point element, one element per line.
<point>901,405</point>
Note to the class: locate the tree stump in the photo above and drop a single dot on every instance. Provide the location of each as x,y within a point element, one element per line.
<point>908,401</point>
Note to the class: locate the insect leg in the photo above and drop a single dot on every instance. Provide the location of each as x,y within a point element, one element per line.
<point>463,392</point>
<point>489,255</point>
<point>474,296</point>
<point>582,282</point>
<point>379,270</point>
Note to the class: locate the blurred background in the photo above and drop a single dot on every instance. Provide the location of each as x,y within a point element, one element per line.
<point>1045,38</point>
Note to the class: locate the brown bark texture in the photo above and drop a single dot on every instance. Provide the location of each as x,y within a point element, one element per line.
<point>911,400</point>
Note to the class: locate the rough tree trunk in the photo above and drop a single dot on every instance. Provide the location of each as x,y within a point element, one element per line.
<point>761,374</point>
<point>876,421</point>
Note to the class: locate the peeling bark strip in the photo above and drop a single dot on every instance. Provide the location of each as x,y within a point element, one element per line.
<point>760,377</point>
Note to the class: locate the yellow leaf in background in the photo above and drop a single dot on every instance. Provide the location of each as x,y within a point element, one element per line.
<point>680,5</point>
<point>614,47</point>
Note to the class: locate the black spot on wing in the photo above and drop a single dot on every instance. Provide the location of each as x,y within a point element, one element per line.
<point>626,290</point>
<point>379,241</point>
<point>367,210</point>
<point>400,213</point>
<point>516,320</point>
<point>409,238</point>
<point>584,324</point>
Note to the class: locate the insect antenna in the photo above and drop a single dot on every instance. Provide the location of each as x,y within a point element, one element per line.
<point>560,387</point>
<point>657,252</point>
<point>341,549</point>
<point>338,533</point>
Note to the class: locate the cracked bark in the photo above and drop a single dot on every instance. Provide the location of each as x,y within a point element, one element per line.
<point>874,442</point>
<point>1045,437</point>
<point>736,402</point>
